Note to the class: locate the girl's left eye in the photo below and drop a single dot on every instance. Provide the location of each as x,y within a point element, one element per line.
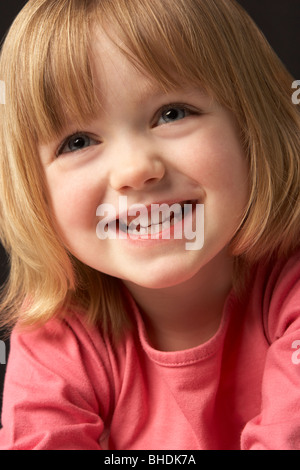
<point>75,143</point>
<point>173,113</point>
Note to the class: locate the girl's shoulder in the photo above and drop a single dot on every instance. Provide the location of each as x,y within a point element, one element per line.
<point>278,288</point>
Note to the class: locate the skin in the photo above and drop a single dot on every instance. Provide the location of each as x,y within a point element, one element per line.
<point>133,149</point>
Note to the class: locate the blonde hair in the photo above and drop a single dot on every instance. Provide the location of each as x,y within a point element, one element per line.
<point>46,65</point>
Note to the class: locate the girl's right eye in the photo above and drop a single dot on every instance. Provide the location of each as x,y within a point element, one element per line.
<point>75,143</point>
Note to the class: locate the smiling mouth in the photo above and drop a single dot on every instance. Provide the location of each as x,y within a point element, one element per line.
<point>159,219</point>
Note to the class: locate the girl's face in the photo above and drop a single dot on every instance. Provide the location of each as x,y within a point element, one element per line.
<point>153,147</point>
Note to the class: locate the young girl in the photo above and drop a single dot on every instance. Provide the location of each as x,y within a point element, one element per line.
<point>126,339</point>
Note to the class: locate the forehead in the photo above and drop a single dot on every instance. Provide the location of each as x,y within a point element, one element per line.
<point>113,65</point>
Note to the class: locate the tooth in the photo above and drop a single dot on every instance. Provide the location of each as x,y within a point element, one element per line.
<point>187,208</point>
<point>134,223</point>
<point>132,229</point>
<point>143,220</point>
<point>154,217</point>
<point>155,228</point>
<point>166,225</point>
<point>178,210</point>
<point>123,220</point>
<point>163,212</point>
<point>122,226</point>
<point>177,218</point>
<point>143,231</point>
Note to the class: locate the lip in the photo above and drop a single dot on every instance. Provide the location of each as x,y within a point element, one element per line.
<point>137,207</point>
<point>164,235</point>
<point>169,226</point>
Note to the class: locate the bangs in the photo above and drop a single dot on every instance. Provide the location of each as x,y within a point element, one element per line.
<point>53,47</point>
<point>161,38</point>
<point>51,77</point>
<point>49,50</point>
<point>67,91</point>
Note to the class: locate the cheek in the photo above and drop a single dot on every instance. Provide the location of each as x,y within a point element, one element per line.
<point>218,161</point>
<point>74,202</point>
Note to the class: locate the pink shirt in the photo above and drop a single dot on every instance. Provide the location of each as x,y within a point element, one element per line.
<point>68,388</point>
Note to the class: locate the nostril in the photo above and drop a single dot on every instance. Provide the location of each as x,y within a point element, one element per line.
<point>151,180</point>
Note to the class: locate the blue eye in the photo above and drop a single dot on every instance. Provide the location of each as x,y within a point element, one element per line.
<point>75,143</point>
<point>172,114</point>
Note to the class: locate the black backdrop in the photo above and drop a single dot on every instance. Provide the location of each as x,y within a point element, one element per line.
<point>278,19</point>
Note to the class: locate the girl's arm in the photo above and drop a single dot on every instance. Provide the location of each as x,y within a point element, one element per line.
<point>51,399</point>
<point>277,427</point>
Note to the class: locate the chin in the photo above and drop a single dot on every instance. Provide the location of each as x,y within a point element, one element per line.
<point>163,279</point>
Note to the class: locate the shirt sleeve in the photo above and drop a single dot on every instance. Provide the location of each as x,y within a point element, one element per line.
<point>57,390</point>
<point>277,427</point>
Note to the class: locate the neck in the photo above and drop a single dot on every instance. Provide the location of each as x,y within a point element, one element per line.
<point>188,314</point>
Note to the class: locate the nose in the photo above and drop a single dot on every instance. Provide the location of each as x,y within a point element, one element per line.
<point>135,167</point>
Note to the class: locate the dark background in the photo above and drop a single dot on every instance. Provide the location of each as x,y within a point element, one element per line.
<point>278,19</point>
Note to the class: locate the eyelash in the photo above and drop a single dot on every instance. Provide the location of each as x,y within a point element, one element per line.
<point>74,136</point>
<point>179,106</point>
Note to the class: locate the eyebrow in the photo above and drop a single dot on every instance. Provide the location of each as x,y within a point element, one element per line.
<point>150,91</point>
<point>153,90</point>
